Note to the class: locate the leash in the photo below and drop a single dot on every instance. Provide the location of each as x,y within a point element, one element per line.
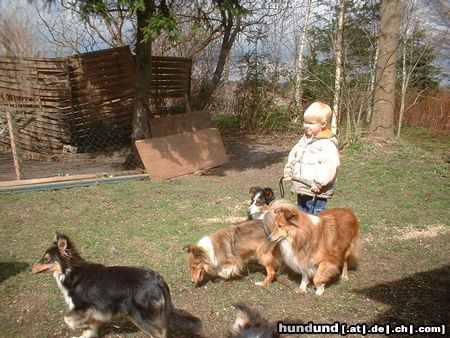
<point>281,187</point>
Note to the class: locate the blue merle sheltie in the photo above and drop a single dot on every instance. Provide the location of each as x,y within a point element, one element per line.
<point>96,294</point>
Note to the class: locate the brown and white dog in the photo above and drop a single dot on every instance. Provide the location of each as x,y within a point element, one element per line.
<point>227,252</point>
<point>317,247</point>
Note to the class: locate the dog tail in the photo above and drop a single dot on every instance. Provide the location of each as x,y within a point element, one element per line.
<point>178,318</point>
<point>185,321</point>
<point>353,256</point>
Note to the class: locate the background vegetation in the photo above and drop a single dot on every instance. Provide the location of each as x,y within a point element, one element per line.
<point>261,61</point>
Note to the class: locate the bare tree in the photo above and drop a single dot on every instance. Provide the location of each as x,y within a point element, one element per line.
<point>227,23</point>
<point>69,30</point>
<point>339,66</point>
<point>371,87</point>
<point>300,64</point>
<point>382,124</point>
<point>16,32</point>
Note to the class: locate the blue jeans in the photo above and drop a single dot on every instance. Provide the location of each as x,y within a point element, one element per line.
<point>310,204</point>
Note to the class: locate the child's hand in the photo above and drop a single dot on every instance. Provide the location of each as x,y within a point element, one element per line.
<point>315,189</point>
<point>287,179</point>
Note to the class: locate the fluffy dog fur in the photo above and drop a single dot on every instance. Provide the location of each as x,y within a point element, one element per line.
<point>259,202</point>
<point>95,293</point>
<point>317,247</point>
<point>226,253</point>
<point>250,324</point>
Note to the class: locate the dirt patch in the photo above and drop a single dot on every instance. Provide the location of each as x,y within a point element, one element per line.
<point>246,153</point>
<point>229,220</point>
<point>408,233</point>
<point>71,164</point>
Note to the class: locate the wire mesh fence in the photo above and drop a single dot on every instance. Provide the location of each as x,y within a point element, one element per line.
<point>74,115</point>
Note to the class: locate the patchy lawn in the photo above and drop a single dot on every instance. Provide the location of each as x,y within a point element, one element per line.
<point>399,191</point>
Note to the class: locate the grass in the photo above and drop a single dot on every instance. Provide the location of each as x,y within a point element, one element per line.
<point>399,191</point>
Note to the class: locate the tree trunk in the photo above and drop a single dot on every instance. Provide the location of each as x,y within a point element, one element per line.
<point>404,87</point>
<point>339,67</point>
<point>382,124</point>
<point>299,65</point>
<point>372,84</point>
<point>229,36</point>
<point>141,127</point>
<point>143,65</point>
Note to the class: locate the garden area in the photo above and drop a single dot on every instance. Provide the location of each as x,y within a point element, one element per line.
<point>399,191</point>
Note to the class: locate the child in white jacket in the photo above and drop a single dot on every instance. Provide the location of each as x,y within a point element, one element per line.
<point>313,162</point>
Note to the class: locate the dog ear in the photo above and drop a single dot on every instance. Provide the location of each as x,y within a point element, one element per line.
<point>284,215</point>
<point>243,318</point>
<point>195,250</point>
<point>62,244</point>
<point>253,190</point>
<point>287,212</point>
<point>187,248</point>
<point>268,194</point>
<point>57,235</point>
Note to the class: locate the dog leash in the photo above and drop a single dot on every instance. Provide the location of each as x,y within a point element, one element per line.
<point>281,187</point>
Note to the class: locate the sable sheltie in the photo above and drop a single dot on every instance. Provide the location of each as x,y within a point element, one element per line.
<point>317,247</point>
<point>226,253</point>
<point>250,324</point>
<point>259,202</point>
<point>96,294</point>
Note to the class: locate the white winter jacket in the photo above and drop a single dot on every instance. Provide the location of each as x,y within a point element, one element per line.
<point>314,161</point>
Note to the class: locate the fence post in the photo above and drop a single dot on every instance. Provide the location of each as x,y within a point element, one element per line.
<point>15,150</point>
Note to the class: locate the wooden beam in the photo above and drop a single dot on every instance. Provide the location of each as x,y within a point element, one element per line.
<point>15,150</point>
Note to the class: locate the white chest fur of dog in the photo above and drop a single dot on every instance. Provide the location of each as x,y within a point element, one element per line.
<point>60,277</point>
<point>293,262</point>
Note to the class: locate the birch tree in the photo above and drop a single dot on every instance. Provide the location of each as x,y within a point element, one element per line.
<point>300,64</point>
<point>339,66</point>
<point>371,87</point>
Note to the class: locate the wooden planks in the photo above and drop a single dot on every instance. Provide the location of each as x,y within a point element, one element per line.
<point>87,100</point>
<point>36,93</point>
<point>171,80</point>
<point>181,154</point>
<point>102,86</point>
<point>176,124</point>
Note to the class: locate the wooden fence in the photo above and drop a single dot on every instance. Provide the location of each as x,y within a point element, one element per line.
<point>170,87</point>
<point>36,92</point>
<point>85,100</point>
<point>102,88</point>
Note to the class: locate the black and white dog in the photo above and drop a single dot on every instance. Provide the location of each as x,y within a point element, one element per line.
<point>96,294</point>
<point>259,202</point>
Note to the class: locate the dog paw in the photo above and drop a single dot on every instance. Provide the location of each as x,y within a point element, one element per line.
<point>300,290</point>
<point>260,284</point>
<point>343,277</point>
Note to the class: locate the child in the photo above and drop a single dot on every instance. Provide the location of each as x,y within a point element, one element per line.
<point>313,162</point>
